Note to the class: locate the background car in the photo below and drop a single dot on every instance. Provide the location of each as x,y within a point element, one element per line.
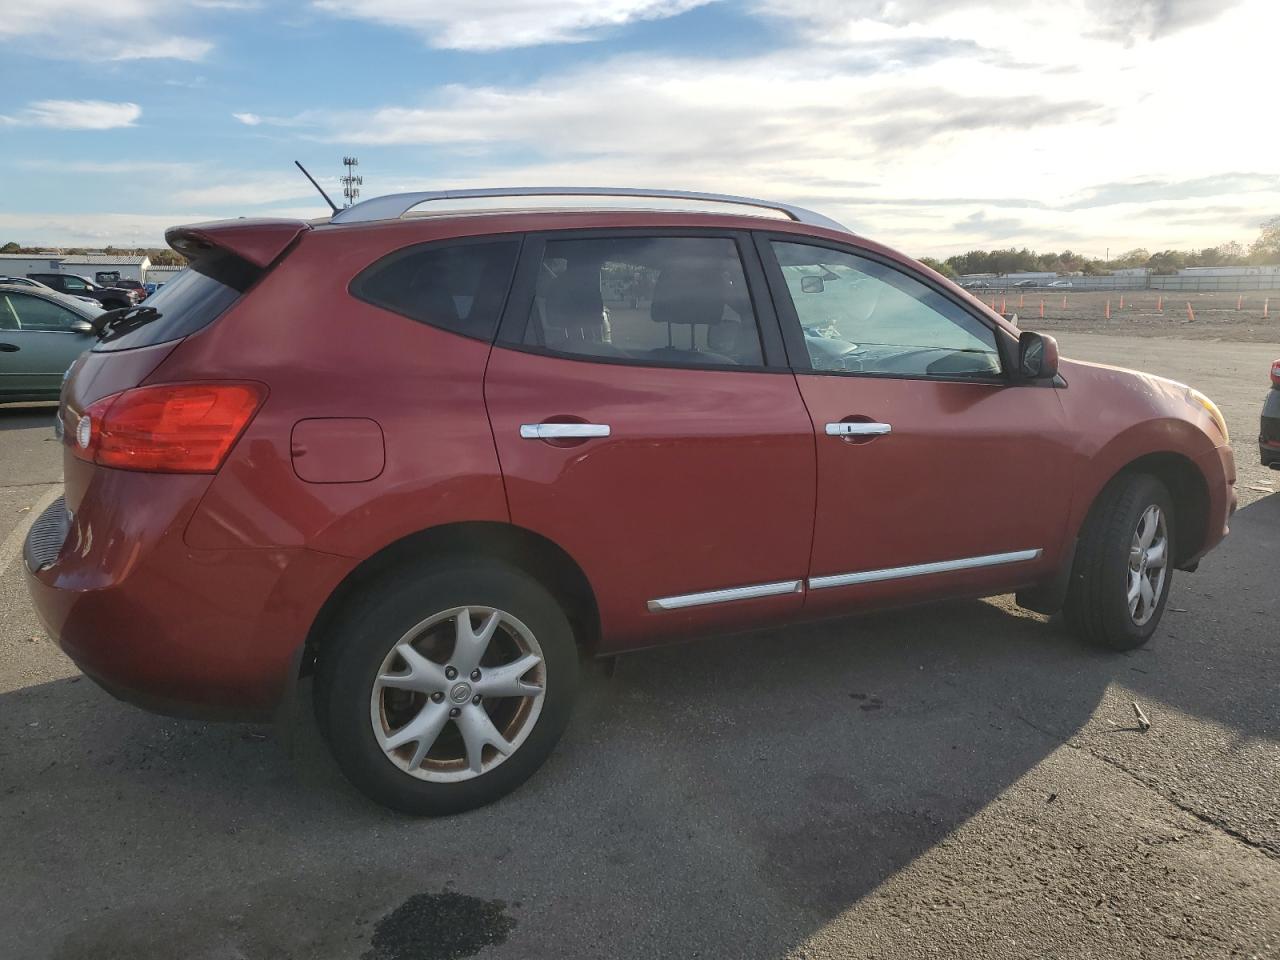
<point>1027,283</point>
<point>28,282</point>
<point>1269,435</point>
<point>41,334</point>
<point>111,298</point>
<point>1058,283</point>
<point>135,285</point>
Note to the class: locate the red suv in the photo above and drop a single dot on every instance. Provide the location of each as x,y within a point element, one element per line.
<point>435,458</point>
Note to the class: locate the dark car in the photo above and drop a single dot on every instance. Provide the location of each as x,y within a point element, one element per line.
<point>1269,435</point>
<point>41,333</point>
<point>135,285</point>
<point>406,455</point>
<point>111,298</point>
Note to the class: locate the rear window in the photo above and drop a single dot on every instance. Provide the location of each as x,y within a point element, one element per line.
<point>459,286</point>
<point>188,302</point>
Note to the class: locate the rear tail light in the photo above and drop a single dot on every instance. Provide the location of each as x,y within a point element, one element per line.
<point>1275,374</point>
<point>168,428</point>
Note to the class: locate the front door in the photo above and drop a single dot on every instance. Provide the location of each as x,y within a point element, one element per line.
<point>38,342</point>
<point>647,424</point>
<point>937,475</point>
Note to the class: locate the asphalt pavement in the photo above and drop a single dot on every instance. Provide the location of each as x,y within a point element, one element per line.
<point>961,780</point>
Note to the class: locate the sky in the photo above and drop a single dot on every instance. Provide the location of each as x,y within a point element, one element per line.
<point>936,126</point>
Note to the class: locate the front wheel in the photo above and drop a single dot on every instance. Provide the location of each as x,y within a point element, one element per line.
<point>447,688</point>
<point>1123,565</point>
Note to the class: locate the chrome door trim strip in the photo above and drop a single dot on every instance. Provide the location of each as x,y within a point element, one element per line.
<point>724,596</point>
<point>922,569</point>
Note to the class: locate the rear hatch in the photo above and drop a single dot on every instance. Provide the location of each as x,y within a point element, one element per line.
<point>226,259</point>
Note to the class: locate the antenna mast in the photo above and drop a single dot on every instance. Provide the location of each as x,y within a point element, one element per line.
<point>350,182</point>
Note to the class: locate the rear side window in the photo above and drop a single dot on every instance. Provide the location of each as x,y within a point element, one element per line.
<point>460,287</point>
<point>189,302</point>
<point>667,301</point>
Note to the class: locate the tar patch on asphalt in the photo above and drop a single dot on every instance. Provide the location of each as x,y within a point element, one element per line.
<point>439,926</point>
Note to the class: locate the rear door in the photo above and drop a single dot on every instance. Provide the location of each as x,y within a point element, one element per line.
<point>38,342</point>
<point>937,474</point>
<point>646,422</point>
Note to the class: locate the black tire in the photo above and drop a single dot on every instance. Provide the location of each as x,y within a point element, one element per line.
<point>367,630</point>
<point>1097,606</point>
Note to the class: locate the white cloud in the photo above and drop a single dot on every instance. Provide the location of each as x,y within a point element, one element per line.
<point>923,100</point>
<point>75,115</point>
<point>248,119</point>
<point>503,24</point>
<point>95,31</point>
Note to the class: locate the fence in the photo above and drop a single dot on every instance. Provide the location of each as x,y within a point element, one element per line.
<point>1171,284</point>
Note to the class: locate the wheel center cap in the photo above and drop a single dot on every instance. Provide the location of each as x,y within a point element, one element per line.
<point>460,692</point>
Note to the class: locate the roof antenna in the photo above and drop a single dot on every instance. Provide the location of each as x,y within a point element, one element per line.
<point>332,206</point>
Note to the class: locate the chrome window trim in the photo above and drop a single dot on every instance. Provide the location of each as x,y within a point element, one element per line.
<point>724,596</point>
<point>922,569</point>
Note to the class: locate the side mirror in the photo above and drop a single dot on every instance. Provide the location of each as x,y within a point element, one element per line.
<point>82,326</point>
<point>811,284</point>
<point>1037,356</point>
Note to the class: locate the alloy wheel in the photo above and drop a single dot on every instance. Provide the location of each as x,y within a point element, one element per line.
<point>1148,565</point>
<point>458,694</point>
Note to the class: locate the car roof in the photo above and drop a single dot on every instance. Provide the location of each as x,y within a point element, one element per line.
<point>86,310</point>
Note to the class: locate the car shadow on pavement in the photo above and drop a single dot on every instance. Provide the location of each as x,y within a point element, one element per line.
<point>723,798</point>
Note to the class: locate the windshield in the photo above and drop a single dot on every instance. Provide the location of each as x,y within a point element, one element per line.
<point>190,301</point>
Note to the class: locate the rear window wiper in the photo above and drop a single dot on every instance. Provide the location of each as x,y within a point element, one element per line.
<point>118,322</point>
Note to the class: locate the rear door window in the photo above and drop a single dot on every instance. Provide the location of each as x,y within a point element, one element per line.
<point>667,301</point>
<point>458,286</point>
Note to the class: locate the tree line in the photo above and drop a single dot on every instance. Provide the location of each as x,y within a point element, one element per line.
<point>1264,250</point>
<point>159,256</point>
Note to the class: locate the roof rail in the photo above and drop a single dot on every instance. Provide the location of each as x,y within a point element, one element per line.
<point>396,205</point>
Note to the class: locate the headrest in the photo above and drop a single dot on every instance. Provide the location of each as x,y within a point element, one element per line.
<point>573,301</point>
<point>691,291</point>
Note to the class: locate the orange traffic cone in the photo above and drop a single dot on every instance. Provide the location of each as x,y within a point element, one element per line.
<point>1266,307</point>
<point>1020,301</point>
<point>1041,308</point>
<point>1107,315</point>
<point>1240,301</point>
<point>1064,301</point>
<point>1122,301</point>
<point>1191,314</point>
<point>1160,303</point>
<point>1003,304</point>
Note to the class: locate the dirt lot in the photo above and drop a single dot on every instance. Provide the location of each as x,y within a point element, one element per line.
<point>1147,313</point>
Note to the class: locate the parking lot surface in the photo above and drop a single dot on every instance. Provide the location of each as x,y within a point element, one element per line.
<point>961,780</point>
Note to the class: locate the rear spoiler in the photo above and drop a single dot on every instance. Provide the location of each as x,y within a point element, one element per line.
<point>257,242</point>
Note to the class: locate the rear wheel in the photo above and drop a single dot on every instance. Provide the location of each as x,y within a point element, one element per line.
<point>447,688</point>
<point>1123,565</point>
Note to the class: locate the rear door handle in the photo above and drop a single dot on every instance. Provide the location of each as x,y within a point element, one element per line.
<point>8,348</point>
<point>563,431</point>
<point>856,429</point>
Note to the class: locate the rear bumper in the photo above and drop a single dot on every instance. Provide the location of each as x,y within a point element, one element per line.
<point>209,633</point>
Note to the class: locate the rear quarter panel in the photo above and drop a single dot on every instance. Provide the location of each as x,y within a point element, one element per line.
<point>322,353</point>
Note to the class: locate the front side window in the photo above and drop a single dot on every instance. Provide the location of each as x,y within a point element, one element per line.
<point>670,301</point>
<point>460,287</point>
<point>22,312</point>
<point>74,283</point>
<point>860,316</point>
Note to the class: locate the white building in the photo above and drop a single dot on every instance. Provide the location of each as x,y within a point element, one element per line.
<point>1263,270</point>
<point>162,274</point>
<point>101,268</point>
<point>104,268</point>
<point>20,264</point>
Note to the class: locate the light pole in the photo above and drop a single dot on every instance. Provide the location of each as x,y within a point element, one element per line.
<point>350,182</point>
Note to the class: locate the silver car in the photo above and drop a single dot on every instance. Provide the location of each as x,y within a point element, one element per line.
<point>41,333</point>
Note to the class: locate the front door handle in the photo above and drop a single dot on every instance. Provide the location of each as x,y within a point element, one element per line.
<point>857,429</point>
<point>8,348</point>
<point>563,431</point>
